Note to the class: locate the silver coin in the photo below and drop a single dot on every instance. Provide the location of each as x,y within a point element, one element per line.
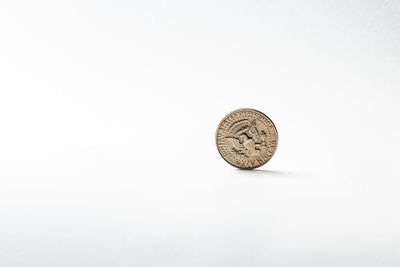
<point>246,138</point>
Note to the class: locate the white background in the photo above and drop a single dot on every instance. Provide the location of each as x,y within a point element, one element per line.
<point>108,111</point>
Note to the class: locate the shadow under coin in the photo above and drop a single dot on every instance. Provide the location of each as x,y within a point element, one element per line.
<point>267,172</point>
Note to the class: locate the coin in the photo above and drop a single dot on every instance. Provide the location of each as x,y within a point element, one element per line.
<point>246,138</point>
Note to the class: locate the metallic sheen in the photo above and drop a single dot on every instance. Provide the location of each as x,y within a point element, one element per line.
<point>246,138</point>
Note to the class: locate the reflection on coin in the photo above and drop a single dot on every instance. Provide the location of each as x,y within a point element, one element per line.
<point>246,138</point>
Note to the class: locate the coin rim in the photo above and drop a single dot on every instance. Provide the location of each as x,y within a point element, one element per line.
<point>246,109</point>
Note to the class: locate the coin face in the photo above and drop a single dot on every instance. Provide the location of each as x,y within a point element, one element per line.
<point>246,138</point>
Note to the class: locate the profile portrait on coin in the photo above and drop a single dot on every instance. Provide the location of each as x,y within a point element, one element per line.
<point>246,138</point>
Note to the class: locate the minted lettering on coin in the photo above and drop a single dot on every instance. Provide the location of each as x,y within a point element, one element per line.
<point>246,138</point>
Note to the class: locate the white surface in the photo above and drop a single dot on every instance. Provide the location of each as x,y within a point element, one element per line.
<point>108,111</point>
